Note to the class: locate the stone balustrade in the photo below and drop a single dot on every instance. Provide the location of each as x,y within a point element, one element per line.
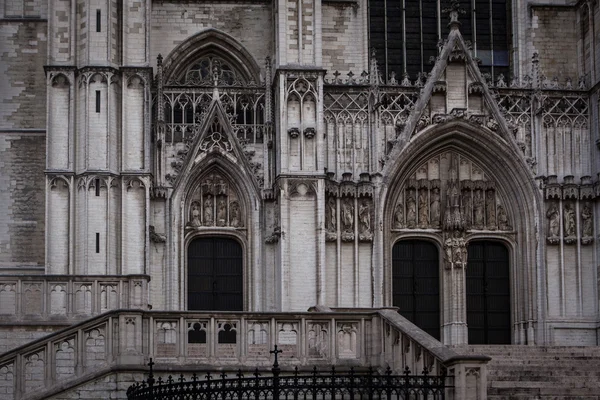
<point>121,342</point>
<point>35,298</point>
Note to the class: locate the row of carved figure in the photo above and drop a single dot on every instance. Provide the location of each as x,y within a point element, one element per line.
<point>215,204</point>
<point>569,228</point>
<point>347,216</point>
<point>422,209</point>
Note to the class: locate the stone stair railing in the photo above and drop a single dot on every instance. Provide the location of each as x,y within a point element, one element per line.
<point>122,341</point>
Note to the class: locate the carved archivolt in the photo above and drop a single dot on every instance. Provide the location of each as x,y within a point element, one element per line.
<point>449,191</point>
<point>215,203</point>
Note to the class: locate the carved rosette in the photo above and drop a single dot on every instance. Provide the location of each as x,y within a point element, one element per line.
<point>215,203</point>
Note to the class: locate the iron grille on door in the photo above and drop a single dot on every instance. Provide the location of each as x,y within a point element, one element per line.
<point>488,293</point>
<point>415,284</point>
<point>215,278</point>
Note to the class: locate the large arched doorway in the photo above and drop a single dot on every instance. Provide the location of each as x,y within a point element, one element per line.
<point>215,274</point>
<point>488,293</point>
<point>415,284</point>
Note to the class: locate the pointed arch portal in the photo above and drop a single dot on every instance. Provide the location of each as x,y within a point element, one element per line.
<point>215,274</point>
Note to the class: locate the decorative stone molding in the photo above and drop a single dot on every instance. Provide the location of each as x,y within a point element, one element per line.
<point>309,132</point>
<point>294,132</point>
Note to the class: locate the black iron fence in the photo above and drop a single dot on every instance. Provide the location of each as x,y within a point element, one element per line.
<point>295,385</point>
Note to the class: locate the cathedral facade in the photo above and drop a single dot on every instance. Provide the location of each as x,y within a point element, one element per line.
<point>272,156</point>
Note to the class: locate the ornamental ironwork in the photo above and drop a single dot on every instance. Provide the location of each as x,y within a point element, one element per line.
<point>276,384</point>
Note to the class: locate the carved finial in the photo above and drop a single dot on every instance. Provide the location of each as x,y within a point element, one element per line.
<point>453,11</point>
<point>159,59</point>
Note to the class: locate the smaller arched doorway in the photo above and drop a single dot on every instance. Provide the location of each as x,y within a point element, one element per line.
<point>488,293</point>
<point>416,284</point>
<point>215,274</point>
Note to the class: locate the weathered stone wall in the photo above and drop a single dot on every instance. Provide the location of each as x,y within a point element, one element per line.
<point>249,23</point>
<point>555,40</point>
<point>345,45</point>
<point>22,87</point>
<point>22,204</point>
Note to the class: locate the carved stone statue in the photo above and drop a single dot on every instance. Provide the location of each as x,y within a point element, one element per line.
<point>455,250</point>
<point>208,210</point>
<point>467,207</point>
<point>569,221</point>
<point>331,216</point>
<point>195,215</point>
<point>348,215</point>
<point>503,223</point>
<point>235,217</point>
<point>435,208</point>
<point>364,215</point>
<point>478,210</point>
<point>399,215</point>
<point>348,220</point>
<point>553,224</point>
<point>490,209</point>
<point>411,210</point>
<point>423,209</point>
<point>222,212</point>
<point>587,224</point>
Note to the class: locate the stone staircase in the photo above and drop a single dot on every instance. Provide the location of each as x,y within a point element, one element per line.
<point>542,372</point>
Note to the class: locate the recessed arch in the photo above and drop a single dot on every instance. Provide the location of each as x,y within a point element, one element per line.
<point>516,184</point>
<point>207,42</point>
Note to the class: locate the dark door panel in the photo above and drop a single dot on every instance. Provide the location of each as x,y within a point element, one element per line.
<point>215,275</point>
<point>488,293</point>
<point>415,284</point>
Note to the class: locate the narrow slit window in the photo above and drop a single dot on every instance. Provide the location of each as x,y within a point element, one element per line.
<point>97,101</point>
<point>97,242</point>
<point>98,21</point>
<point>97,187</point>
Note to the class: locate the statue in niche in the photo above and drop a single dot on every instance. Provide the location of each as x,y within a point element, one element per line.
<point>490,209</point>
<point>411,210</point>
<point>503,224</point>
<point>208,210</point>
<point>553,216</point>
<point>587,224</point>
<point>222,212</point>
<point>348,215</point>
<point>467,208</point>
<point>569,220</point>
<point>364,215</point>
<point>435,208</point>
<point>234,208</point>
<point>455,250</point>
<point>331,215</point>
<point>399,215</point>
<point>478,209</point>
<point>423,209</point>
<point>195,214</point>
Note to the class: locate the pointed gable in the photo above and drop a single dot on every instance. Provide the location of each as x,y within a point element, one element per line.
<point>456,90</point>
<point>214,137</point>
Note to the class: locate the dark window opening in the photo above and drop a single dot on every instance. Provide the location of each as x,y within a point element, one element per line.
<point>97,187</point>
<point>405,34</point>
<point>97,242</point>
<point>97,101</point>
<point>98,21</point>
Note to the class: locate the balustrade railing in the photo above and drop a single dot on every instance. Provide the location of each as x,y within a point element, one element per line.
<point>228,341</point>
<point>55,297</point>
